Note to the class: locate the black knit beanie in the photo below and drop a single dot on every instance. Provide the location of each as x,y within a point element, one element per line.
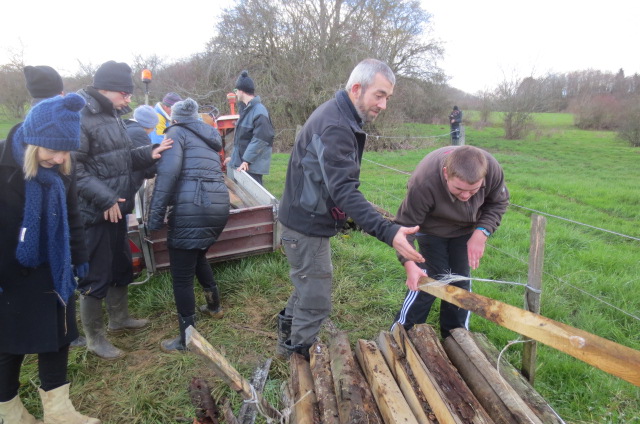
<point>42,81</point>
<point>113,76</point>
<point>245,83</point>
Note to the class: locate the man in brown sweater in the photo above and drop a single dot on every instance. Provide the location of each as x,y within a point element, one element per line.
<point>457,196</point>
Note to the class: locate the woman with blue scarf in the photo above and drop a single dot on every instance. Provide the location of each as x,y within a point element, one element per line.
<point>41,248</point>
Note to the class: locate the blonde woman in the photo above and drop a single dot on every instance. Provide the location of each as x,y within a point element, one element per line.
<point>41,248</point>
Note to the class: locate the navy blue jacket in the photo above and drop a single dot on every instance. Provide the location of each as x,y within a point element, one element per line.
<point>253,139</point>
<point>324,175</point>
<point>190,183</point>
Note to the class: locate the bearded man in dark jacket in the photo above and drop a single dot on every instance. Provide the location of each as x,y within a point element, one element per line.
<point>104,165</point>
<point>321,192</point>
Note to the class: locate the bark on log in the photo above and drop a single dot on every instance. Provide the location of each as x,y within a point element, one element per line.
<point>391,403</point>
<point>248,411</point>
<point>402,372</point>
<point>198,344</point>
<point>323,384</point>
<point>498,398</point>
<point>353,396</point>
<point>533,399</point>
<point>604,354</point>
<point>305,408</point>
<point>446,392</point>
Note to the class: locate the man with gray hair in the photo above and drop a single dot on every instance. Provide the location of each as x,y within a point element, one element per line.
<point>321,192</point>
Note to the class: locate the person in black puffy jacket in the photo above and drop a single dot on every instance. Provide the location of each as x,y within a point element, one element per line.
<point>190,182</point>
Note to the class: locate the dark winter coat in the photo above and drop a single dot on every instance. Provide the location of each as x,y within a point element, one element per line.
<point>139,138</point>
<point>321,187</point>
<point>32,319</point>
<point>106,158</point>
<point>253,139</point>
<point>191,183</point>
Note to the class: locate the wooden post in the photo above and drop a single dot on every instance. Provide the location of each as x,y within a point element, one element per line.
<point>320,365</point>
<point>223,369</point>
<point>532,295</point>
<point>611,357</point>
<point>305,407</point>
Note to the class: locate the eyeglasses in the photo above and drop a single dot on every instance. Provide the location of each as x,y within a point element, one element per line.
<point>126,96</point>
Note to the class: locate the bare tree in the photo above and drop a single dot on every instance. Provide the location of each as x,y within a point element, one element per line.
<point>13,90</point>
<point>518,100</point>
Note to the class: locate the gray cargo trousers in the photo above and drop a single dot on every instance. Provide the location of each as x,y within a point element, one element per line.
<point>311,274</point>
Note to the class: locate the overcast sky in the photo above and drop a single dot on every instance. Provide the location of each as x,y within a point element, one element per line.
<point>484,41</point>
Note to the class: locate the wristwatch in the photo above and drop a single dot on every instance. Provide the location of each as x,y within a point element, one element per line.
<point>484,231</point>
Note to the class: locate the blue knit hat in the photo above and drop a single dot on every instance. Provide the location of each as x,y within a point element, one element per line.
<point>146,116</point>
<point>54,123</point>
<point>245,83</point>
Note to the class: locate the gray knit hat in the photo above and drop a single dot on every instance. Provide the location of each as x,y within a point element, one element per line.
<point>146,116</point>
<point>186,110</point>
<point>43,81</point>
<point>245,83</point>
<point>113,76</point>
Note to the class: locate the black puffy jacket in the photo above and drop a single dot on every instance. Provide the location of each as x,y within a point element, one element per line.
<point>106,158</point>
<point>190,182</point>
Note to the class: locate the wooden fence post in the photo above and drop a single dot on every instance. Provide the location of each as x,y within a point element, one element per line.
<point>532,294</point>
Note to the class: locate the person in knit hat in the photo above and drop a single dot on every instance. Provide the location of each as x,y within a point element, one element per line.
<point>163,109</point>
<point>191,183</point>
<point>253,138</point>
<point>104,165</point>
<point>42,249</point>
<point>43,82</point>
<point>139,129</point>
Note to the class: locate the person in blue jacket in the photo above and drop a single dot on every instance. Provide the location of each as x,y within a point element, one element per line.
<point>253,139</point>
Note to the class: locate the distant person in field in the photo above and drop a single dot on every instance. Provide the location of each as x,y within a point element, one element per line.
<point>42,249</point>
<point>321,192</point>
<point>457,196</point>
<point>104,165</point>
<point>455,119</point>
<point>139,129</point>
<point>163,110</point>
<point>190,183</point>
<point>253,138</point>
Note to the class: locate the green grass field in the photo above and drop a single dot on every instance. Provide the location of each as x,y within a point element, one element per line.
<point>591,281</point>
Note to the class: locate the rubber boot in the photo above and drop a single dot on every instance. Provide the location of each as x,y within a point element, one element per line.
<point>212,308</point>
<point>284,333</point>
<point>117,301</point>
<point>59,410</point>
<point>14,411</point>
<point>94,329</point>
<point>302,349</point>
<point>179,343</point>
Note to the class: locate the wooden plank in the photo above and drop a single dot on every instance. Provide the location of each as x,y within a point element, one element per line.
<point>516,380</point>
<point>223,369</point>
<point>604,354</point>
<point>459,398</point>
<point>305,409</point>
<point>323,383</point>
<point>532,295</point>
<point>391,403</point>
<point>397,363</point>
<point>425,379</point>
<point>353,396</point>
<point>498,398</point>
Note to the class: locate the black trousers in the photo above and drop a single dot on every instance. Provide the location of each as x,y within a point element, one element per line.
<point>52,370</point>
<point>109,258</point>
<point>185,264</point>
<point>442,256</point>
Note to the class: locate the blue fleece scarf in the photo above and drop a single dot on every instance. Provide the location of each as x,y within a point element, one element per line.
<point>44,236</point>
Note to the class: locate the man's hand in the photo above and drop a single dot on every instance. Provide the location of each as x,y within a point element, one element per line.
<point>113,214</point>
<point>414,273</point>
<point>475,248</point>
<point>403,247</point>
<point>226,161</point>
<point>166,144</point>
<point>244,166</point>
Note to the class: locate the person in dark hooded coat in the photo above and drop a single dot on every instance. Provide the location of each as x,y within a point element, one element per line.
<point>191,184</point>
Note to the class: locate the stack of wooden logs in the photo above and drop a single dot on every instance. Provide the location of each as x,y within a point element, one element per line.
<point>410,377</point>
